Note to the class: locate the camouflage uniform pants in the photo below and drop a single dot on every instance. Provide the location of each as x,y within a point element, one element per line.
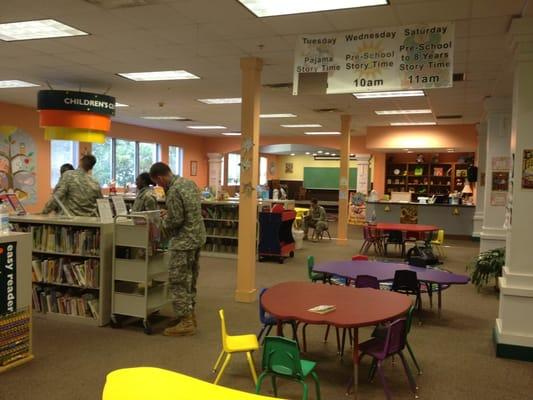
<point>311,223</point>
<point>183,268</point>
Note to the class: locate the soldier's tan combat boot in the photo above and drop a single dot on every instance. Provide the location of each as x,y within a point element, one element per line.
<point>184,328</point>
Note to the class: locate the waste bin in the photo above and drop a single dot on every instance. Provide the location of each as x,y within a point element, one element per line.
<point>298,236</point>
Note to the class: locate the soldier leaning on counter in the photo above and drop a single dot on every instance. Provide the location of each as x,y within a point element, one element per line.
<point>186,232</point>
<point>77,190</point>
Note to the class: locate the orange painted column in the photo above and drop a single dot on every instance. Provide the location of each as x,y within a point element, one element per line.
<point>344,176</point>
<point>251,95</point>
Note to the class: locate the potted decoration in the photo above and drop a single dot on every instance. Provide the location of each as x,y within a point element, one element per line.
<point>487,266</point>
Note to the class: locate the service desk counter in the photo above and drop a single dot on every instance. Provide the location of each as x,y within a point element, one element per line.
<point>456,220</point>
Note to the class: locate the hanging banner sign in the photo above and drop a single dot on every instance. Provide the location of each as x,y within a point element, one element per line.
<point>401,58</point>
<point>8,278</point>
<point>76,101</point>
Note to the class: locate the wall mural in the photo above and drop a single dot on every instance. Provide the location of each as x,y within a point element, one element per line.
<point>17,164</point>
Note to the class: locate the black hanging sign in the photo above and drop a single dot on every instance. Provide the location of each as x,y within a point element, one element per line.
<point>75,101</point>
<point>8,277</point>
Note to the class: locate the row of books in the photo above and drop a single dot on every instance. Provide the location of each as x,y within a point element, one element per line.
<point>51,300</point>
<point>14,337</point>
<point>66,239</point>
<point>65,271</point>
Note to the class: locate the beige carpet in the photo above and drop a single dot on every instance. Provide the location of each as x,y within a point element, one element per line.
<point>456,351</point>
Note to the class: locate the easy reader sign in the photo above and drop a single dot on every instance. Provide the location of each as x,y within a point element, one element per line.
<point>8,277</point>
<point>400,58</point>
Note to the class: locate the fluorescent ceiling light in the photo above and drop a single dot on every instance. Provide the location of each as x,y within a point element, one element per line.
<point>164,117</point>
<point>206,127</point>
<point>277,115</point>
<point>230,100</point>
<point>302,126</point>
<point>15,84</point>
<point>292,154</point>
<point>319,151</point>
<point>397,93</point>
<point>38,29</point>
<point>314,154</point>
<point>307,153</point>
<point>158,75</point>
<point>327,153</point>
<point>322,133</point>
<point>121,105</point>
<point>412,123</point>
<point>399,112</point>
<point>269,8</point>
<point>231,133</point>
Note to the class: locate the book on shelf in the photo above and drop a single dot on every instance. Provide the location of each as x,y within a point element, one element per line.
<point>14,336</point>
<point>83,273</point>
<point>438,171</point>
<point>66,239</point>
<point>52,300</point>
<point>322,309</point>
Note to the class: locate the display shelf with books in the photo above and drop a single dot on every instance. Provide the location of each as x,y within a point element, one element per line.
<point>221,219</point>
<point>140,269</point>
<point>15,310</point>
<point>71,267</point>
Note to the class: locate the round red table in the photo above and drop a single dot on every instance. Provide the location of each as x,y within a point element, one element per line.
<point>354,307</point>
<point>411,228</point>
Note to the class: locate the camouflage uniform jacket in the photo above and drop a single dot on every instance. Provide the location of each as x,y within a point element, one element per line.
<point>78,191</point>
<point>184,223</point>
<point>145,201</point>
<point>318,214</point>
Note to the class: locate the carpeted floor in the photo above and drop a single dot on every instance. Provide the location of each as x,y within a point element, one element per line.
<point>456,351</point>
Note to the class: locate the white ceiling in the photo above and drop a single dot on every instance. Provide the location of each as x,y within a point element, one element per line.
<point>208,37</point>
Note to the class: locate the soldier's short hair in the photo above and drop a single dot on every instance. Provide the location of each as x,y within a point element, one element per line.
<point>159,169</point>
<point>145,179</point>
<point>88,161</point>
<point>66,167</point>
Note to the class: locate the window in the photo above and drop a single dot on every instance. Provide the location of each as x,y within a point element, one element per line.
<point>62,152</point>
<point>103,169</point>
<point>222,170</point>
<point>263,169</point>
<point>122,160</point>
<point>234,169</point>
<point>175,159</point>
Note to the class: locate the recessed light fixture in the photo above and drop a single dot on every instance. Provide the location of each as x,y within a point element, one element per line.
<point>38,29</point>
<point>322,133</point>
<point>319,151</point>
<point>411,123</point>
<point>288,115</point>
<point>307,153</point>
<point>229,100</point>
<point>206,127</point>
<point>121,105</point>
<point>399,112</point>
<point>8,84</point>
<point>302,126</point>
<point>315,154</point>
<point>334,155</point>
<point>158,75</point>
<point>292,154</point>
<point>269,8</point>
<point>327,153</point>
<point>352,155</point>
<point>397,93</point>
<point>164,117</point>
<point>410,151</point>
<point>231,133</point>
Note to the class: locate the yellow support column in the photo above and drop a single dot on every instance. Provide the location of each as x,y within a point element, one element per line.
<point>251,95</point>
<point>344,176</point>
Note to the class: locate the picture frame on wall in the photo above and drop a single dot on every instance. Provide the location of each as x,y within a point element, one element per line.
<point>289,168</point>
<point>527,169</point>
<point>194,168</point>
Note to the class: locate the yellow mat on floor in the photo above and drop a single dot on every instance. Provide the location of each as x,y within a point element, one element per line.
<point>145,383</point>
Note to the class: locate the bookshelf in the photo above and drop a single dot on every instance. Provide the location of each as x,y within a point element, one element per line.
<point>16,339</point>
<point>140,270</point>
<point>71,267</point>
<point>221,219</point>
<point>443,175</point>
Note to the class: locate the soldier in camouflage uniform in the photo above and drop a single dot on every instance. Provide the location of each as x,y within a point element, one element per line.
<point>185,227</point>
<point>145,200</point>
<point>77,190</point>
<point>316,218</point>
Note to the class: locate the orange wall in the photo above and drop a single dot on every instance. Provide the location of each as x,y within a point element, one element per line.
<point>27,119</point>
<point>458,137</point>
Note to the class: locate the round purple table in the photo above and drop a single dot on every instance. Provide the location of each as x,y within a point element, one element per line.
<point>385,272</point>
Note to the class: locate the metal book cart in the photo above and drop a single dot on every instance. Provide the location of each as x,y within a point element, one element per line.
<point>139,281</point>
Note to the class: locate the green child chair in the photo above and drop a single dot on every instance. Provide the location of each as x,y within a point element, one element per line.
<point>314,276</point>
<point>281,358</point>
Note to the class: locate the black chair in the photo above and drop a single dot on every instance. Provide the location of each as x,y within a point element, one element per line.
<point>406,282</point>
<point>396,238</point>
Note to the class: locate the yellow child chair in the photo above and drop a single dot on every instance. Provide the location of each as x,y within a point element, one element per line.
<point>146,383</point>
<point>235,344</point>
<point>439,242</point>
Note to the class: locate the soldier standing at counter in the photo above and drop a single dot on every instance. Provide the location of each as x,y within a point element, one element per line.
<point>145,200</point>
<point>185,228</point>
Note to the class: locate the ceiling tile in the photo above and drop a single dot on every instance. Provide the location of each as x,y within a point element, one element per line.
<point>491,8</point>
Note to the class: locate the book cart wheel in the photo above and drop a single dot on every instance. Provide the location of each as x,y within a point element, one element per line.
<point>115,322</point>
<point>147,327</point>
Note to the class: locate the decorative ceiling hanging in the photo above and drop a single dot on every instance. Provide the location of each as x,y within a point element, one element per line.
<point>79,116</point>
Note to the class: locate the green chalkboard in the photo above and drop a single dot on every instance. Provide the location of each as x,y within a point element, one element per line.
<point>326,178</point>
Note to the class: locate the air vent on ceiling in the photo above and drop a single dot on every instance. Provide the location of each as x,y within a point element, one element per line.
<point>451,116</point>
<point>112,4</point>
<point>458,76</point>
<point>326,110</point>
<point>286,85</point>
